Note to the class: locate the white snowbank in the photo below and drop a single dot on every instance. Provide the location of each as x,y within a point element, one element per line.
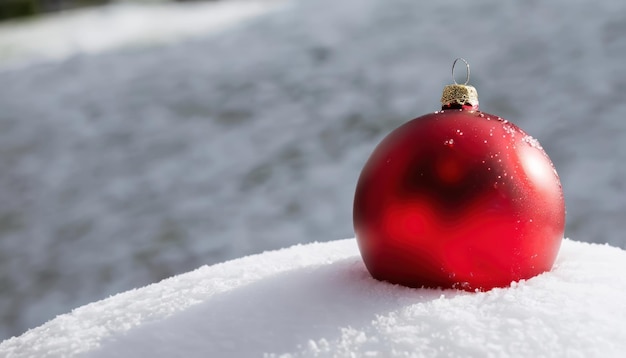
<point>118,25</point>
<point>319,300</point>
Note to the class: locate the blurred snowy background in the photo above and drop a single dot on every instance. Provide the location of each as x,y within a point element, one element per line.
<point>142,140</point>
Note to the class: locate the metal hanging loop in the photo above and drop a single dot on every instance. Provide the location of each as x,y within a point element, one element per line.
<point>467,76</point>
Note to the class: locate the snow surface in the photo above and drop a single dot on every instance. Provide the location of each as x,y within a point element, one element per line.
<point>118,25</point>
<point>124,167</point>
<point>318,300</point>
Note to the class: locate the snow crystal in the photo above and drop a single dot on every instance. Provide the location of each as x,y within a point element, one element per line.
<point>532,141</point>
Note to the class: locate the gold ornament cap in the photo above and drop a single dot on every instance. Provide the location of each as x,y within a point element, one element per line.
<point>459,95</point>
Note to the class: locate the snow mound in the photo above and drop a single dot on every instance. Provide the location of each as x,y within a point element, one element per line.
<point>319,300</point>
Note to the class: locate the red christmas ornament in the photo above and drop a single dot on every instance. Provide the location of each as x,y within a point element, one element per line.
<point>458,199</point>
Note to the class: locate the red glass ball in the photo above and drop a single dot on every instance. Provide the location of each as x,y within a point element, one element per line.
<point>458,199</point>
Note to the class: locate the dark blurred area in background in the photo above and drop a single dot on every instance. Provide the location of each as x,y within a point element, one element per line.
<point>10,9</point>
<point>15,9</point>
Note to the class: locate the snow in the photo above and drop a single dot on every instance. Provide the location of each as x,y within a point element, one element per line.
<point>142,159</point>
<point>118,25</point>
<point>319,300</point>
